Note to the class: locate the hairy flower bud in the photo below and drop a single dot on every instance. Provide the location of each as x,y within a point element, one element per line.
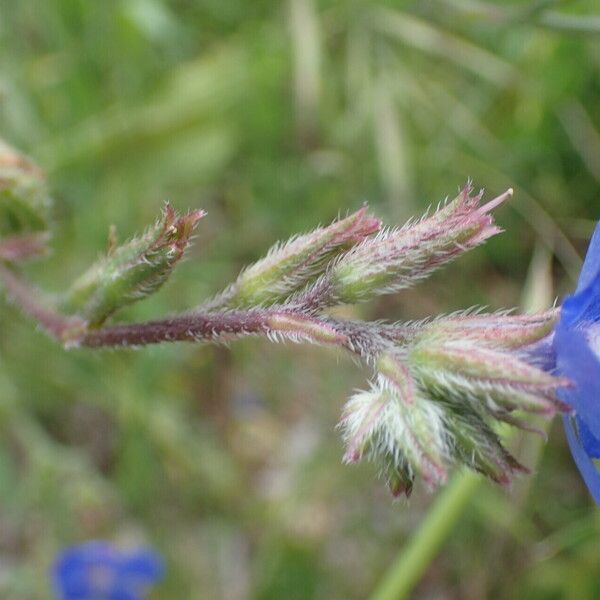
<point>441,387</point>
<point>397,258</point>
<point>287,266</point>
<point>489,379</point>
<point>398,428</point>
<point>474,444</point>
<point>134,270</point>
<point>24,206</point>
<point>496,330</point>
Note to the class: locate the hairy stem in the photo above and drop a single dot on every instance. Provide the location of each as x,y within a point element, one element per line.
<point>28,299</point>
<point>217,326</point>
<point>277,322</point>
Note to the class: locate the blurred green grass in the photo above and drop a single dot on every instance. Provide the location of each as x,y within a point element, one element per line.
<point>275,116</point>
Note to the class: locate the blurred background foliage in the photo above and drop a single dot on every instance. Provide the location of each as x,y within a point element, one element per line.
<point>276,116</point>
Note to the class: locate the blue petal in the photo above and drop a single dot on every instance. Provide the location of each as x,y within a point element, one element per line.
<point>583,307</point>
<point>590,443</point>
<point>586,467</point>
<point>71,572</point>
<point>121,593</point>
<point>124,575</point>
<point>591,267</point>
<point>542,354</point>
<point>144,566</point>
<point>90,553</point>
<point>576,361</point>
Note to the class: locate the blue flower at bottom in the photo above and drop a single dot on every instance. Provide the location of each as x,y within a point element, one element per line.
<point>99,571</point>
<point>577,349</point>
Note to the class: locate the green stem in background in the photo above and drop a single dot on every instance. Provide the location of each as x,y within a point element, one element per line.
<point>406,571</point>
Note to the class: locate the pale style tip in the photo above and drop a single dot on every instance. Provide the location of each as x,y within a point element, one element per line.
<point>495,202</point>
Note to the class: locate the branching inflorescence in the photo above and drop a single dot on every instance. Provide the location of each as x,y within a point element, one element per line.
<point>439,386</point>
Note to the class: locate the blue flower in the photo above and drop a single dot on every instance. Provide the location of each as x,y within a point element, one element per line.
<point>577,348</point>
<point>99,571</point>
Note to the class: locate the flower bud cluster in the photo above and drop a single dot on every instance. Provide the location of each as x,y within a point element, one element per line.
<point>396,259</point>
<point>438,395</point>
<point>440,386</point>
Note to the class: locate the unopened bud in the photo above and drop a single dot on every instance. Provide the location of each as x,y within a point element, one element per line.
<point>399,429</point>
<point>483,377</point>
<point>397,258</point>
<point>399,477</point>
<point>495,330</point>
<point>288,266</point>
<point>475,445</point>
<point>134,270</point>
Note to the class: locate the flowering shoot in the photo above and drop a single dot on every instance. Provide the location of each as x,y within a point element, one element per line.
<point>440,386</point>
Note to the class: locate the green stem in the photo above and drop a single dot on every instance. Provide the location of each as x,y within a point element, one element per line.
<point>408,568</point>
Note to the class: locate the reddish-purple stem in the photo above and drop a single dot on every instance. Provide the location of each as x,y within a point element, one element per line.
<point>27,299</point>
<point>193,327</point>
<point>21,247</point>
